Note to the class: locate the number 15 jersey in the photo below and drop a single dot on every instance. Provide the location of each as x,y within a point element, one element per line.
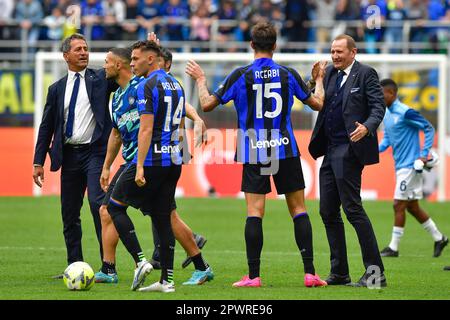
<point>263,94</point>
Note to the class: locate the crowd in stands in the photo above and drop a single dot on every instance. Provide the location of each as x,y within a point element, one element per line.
<point>181,20</point>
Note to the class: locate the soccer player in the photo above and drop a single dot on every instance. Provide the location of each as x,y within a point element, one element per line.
<point>200,135</point>
<point>125,130</point>
<point>149,181</point>
<point>263,94</point>
<point>401,131</point>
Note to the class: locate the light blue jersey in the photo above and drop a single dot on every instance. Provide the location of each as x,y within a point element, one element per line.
<point>401,131</point>
<point>125,117</point>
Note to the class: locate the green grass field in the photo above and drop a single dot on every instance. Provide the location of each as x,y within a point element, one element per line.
<point>32,250</point>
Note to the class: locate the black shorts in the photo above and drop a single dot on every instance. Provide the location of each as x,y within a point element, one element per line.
<point>112,184</point>
<point>156,197</point>
<point>108,194</point>
<point>288,177</point>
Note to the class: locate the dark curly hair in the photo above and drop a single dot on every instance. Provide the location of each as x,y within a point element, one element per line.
<point>147,46</point>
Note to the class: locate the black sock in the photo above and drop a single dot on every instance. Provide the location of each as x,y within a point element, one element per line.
<point>167,245</point>
<point>156,242</point>
<point>126,231</point>
<point>303,237</point>
<point>108,267</point>
<point>199,263</point>
<point>254,244</point>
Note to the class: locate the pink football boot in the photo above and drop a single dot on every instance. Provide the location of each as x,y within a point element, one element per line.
<point>314,281</point>
<point>247,282</point>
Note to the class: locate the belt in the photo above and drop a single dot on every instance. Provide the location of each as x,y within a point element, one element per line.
<point>77,146</point>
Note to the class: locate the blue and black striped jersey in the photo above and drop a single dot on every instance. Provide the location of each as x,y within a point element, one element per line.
<point>162,95</point>
<point>125,117</point>
<point>263,94</point>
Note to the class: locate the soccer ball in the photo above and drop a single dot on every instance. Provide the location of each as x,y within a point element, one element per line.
<point>79,276</point>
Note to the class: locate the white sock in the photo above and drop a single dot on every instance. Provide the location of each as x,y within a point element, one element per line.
<point>430,226</point>
<point>397,233</point>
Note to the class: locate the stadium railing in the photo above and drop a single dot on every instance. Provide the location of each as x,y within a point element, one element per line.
<point>10,59</point>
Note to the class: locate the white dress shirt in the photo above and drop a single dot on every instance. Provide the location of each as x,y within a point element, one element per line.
<point>84,121</point>
<point>347,73</point>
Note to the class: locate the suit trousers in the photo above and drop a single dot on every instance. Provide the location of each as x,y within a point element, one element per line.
<point>80,169</point>
<point>340,184</point>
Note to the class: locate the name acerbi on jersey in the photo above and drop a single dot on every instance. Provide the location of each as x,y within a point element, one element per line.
<point>265,74</point>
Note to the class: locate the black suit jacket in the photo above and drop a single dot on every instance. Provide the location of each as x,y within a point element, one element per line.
<point>51,129</point>
<point>363,102</point>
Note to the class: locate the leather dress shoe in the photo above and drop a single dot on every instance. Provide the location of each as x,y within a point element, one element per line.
<point>439,246</point>
<point>335,279</point>
<point>370,281</point>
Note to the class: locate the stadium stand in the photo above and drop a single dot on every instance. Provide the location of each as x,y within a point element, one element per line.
<point>379,26</point>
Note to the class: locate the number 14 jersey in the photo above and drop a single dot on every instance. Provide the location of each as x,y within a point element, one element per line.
<point>162,95</point>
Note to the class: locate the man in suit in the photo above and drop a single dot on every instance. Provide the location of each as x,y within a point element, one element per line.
<point>345,133</point>
<point>76,120</point>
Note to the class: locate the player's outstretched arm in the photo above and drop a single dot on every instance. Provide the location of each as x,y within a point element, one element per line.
<point>200,134</point>
<point>316,100</point>
<point>314,74</point>
<point>114,143</point>
<point>207,101</point>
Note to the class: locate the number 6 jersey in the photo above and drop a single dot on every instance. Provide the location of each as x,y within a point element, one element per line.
<point>263,94</point>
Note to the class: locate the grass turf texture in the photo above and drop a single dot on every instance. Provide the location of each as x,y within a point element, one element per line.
<point>32,250</point>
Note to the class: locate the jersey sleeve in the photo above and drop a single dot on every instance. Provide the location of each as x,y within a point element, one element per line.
<point>300,89</point>
<point>227,90</point>
<point>114,117</point>
<point>148,97</point>
<point>415,119</point>
<point>114,124</point>
<point>140,97</point>
<point>385,142</point>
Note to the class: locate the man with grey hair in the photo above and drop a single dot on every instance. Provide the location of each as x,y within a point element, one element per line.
<point>76,120</point>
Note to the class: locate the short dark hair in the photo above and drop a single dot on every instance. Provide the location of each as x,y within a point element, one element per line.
<point>65,45</point>
<point>264,36</point>
<point>166,54</point>
<point>123,53</point>
<point>147,46</point>
<point>389,83</point>
<point>351,44</point>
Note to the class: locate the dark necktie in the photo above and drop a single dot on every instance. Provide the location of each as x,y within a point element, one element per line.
<point>339,78</point>
<point>73,102</point>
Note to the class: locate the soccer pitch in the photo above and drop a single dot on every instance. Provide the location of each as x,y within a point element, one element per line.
<point>32,250</point>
